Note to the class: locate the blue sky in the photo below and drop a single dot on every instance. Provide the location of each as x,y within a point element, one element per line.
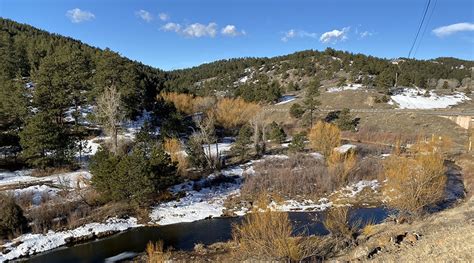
<point>176,33</point>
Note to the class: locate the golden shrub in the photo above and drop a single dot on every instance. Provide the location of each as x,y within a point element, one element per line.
<point>266,236</point>
<point>324,137</point>
<point>173,147</point>
<point>337,222</point>
<point>156,253</point>
<point>232,113</point>
<point>414,183</point>
<point>183,102</point>
<point>340,165</point>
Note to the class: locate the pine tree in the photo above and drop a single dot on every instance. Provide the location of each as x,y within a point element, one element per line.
<point>310,100</point>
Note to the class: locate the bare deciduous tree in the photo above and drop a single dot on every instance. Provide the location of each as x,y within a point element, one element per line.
<point>110,114</point>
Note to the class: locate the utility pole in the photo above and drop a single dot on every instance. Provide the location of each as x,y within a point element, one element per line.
<point>396,79</point>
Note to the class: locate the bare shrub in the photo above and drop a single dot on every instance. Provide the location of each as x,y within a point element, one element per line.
<point>340,166</point>
<point>25,199</point>
<point>300,175</point>
<point>415,183</point>
<point>266,236</point>
<point>324,137</point>
<point>156,254</point>
<point>337,222</point>
<point>110,114</point>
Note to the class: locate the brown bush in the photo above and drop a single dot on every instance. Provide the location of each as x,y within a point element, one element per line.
<point>173,147</point>
<point>414,183</point>
<point>324,137</point>
<point>156,254</point>
<point>266,236</point>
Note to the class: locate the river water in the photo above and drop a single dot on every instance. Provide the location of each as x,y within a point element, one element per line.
<point>183,236</point>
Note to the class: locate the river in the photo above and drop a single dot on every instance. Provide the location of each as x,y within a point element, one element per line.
<point>182,236</point>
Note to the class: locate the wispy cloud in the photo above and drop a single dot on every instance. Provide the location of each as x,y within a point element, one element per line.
<point>145,15</point>
<point>292,33</point>
<point>365,34</point>
<point>335,35</point>
<point>163,16</point>
<point>77,15</point>
<point>451,29</point>
<point>231,31</point>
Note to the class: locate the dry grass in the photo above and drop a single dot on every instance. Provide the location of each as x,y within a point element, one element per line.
<point>156,254</point>
<point>300,175</point>
<point>369,229</point>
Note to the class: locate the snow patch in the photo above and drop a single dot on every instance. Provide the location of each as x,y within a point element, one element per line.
<point>413,98</point>
<point>286,99</point>
<point>345,148</point>
<point>347,87</point>
<point>35,243</point>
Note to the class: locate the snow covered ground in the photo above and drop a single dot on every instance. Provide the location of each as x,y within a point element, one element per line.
<point>29,244</point>
<point>197,205</point>
<point>412,98</point>
<point>285,99</point>
<point>347,87</point>
<point>71,179</point>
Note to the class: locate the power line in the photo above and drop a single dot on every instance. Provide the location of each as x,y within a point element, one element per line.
<point>426,27</point>
<point>419,28</point>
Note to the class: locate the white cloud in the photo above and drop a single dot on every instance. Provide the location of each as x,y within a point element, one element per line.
<point>200,30</point>
<point>145,15</point>
<point>195,30</point>
<point>300,33</point>
<point>231,31</point>
<point>288,35</point>
<point>171,27</point>
<point>77,15</point>
<point>164,16</point>
<point>454,28</point>
<point>365,34</point>
<point>334,35</point>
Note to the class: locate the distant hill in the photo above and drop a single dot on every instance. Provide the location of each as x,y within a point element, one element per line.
<point>291,72</point>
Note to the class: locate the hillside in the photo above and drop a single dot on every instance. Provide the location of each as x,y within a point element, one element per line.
<point>256,78</point>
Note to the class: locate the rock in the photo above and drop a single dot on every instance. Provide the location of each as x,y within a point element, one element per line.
<point>411,238</point>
